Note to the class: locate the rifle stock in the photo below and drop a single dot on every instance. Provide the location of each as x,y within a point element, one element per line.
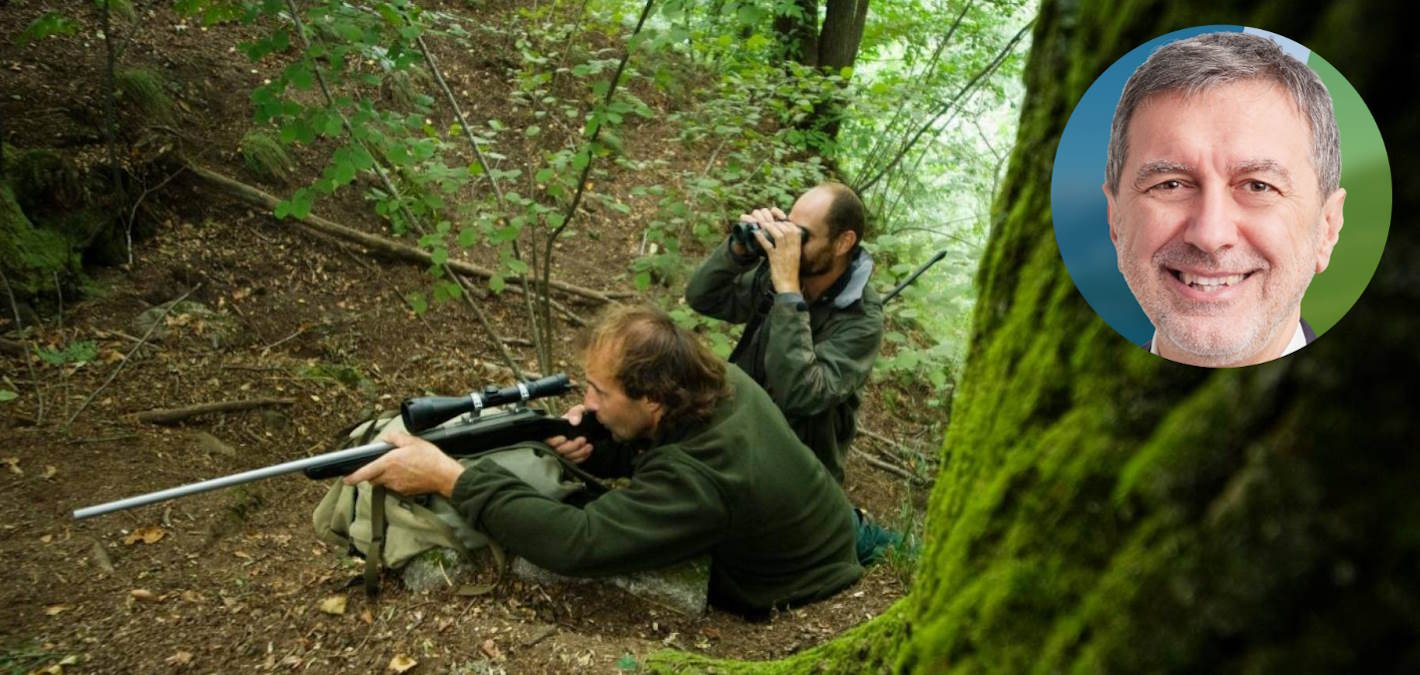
<point>461,440</point>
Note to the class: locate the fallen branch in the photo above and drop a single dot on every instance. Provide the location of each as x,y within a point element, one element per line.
<point>394,249</point>
<point>886,441</point>
<point>890,468</point>
<point>171,415</point>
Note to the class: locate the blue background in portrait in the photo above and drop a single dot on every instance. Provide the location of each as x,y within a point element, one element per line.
<point>1077,201</point>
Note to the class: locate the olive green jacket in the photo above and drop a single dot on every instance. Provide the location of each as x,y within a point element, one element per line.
<point>739,487</point>
<point>812,359</point>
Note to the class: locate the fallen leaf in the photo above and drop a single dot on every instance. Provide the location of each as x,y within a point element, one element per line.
<point>401,663</point>
<point>490,649</point>
<point>100,556</point>
<point>148,535</point>
<point>181,658</point>
<point>193,597</point>
<point>334,604</point>
<point>49,471</point>
<point>367,617</point>
<point>56,609</point>
<point>14,464</point>
<point>47,538</point>
<point>144,595</point>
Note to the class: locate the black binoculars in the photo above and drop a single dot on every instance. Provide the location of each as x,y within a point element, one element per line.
<point>743,234</point>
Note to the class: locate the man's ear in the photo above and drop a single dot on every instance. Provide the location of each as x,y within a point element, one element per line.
<point>844,242</point>
<point>1109,212</point>
<point>656,409</point>
<point>1331,221</point>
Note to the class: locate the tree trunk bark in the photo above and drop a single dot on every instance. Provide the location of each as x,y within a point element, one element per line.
<point>1102,510</point>
<point>842,33</point>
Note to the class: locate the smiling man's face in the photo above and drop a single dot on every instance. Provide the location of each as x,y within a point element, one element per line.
<point>1219,223</point>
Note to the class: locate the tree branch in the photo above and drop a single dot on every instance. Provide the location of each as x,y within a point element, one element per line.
<point>170,415</point>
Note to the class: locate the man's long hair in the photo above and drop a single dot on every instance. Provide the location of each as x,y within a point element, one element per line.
<point>659,361</point>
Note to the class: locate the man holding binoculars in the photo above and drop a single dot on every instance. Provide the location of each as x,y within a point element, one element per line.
<point>800,283</point>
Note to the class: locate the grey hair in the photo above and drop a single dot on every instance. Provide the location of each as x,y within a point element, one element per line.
<point>1215,59</point>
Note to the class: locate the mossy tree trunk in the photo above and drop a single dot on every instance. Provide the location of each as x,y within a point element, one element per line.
<point>1102,510</point>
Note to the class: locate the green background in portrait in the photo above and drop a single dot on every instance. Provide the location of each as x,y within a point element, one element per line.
<point>1365,173</point>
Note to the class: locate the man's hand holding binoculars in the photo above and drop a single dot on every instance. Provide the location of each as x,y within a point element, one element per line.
<point>782,246</point>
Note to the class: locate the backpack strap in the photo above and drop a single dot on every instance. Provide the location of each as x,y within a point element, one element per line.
<point>375,556</point>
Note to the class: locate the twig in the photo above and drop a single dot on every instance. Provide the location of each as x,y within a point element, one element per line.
<point>886,441</point>
<point>292,336</point>
<point>126,359</point>
<point>103,439</point>
<point>63,374</point>
<point>29,363</point>
<point>542,355</point>
<point>488,327</point>
<point>586,171</point>
<point>890,468</point>
<point>133,213</point>
<point>170,415</point>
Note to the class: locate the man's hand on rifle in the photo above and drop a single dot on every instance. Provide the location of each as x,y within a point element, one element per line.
<point>575,449</point>
<point>414,467</point>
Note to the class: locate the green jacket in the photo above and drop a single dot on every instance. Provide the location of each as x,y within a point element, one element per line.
<point>812,359</point>
<point>739,487</point>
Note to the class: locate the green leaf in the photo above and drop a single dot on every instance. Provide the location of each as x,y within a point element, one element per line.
<point>496,283</point>
<point>439,256</point>
<point>7,395</point>
<point>299,75</point>
<point>627,662</point>
<point>418,302</point>
<point>468,237</point>
<point>532,131</point>
<point>642,280</point>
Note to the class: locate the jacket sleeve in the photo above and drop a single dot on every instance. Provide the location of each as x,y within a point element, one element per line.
<point>807,378</point>
<point>723,287</point>
<point>669,513</point>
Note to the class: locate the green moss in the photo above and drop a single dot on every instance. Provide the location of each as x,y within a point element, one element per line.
<point>265,156</point>
<point>42,180</point>
<point>145,92</point>
<point>31,256</point>
<point>854,651</point>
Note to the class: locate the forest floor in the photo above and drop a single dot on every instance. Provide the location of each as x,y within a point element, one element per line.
<point>236,580</point>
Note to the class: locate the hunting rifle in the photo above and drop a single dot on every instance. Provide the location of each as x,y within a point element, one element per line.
<point>474,435</point>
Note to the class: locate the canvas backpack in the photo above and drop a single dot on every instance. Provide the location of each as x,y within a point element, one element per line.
<point>389,529</point>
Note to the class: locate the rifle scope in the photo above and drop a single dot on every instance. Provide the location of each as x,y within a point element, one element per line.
<point>427,412</point>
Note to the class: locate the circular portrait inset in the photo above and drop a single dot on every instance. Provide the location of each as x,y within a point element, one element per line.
<point>1221,196</point>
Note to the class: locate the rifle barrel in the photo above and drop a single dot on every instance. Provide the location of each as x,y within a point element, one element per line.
<point>371,449</point>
